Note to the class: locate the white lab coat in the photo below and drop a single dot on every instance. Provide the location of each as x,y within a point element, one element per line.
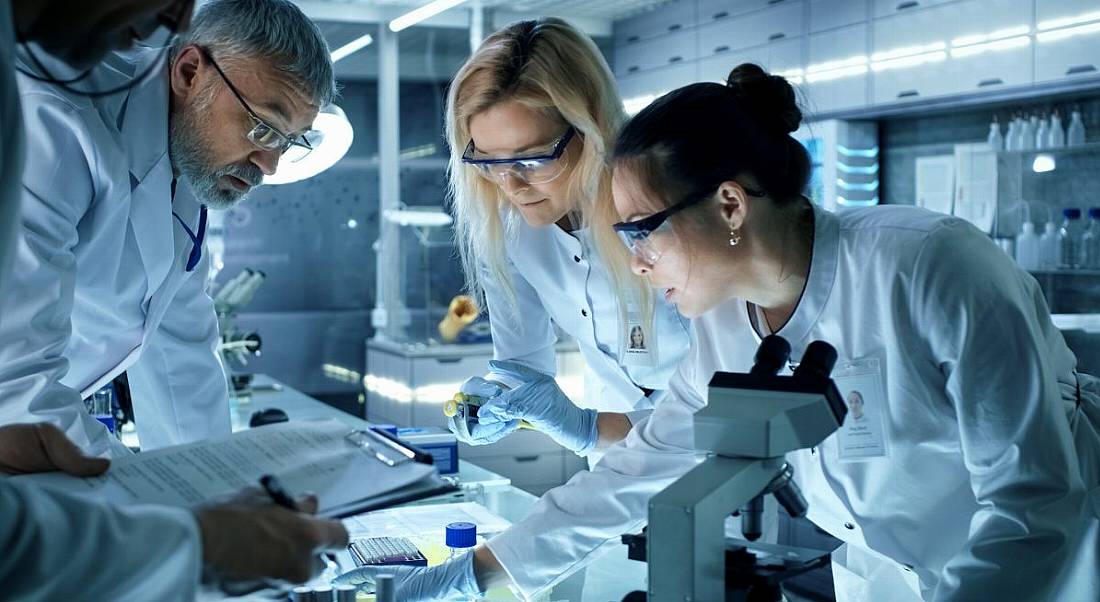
<point>990,488</point>
<point>56,546</point>
<point>99,285</point>
<point>559,278</point>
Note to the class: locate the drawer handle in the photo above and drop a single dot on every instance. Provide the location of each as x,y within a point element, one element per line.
<point>908,5</point>
<point>995,81</point>
<point>675,27</point>
<point>632,69</point>
<point>527,459</point>
<point>776,36</point>
<point>722,48</point>
<point>1080,69</point>
<point>632,39</point>
<point>675,59</point>
<point>774,1</point>
<point>908,93</point>
<point>721,15</point>
<point>448,360</point>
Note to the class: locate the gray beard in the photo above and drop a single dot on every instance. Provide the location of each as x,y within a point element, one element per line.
<point>188,152</point>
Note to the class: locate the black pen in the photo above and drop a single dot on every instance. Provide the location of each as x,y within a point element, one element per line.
<point>275,491</point>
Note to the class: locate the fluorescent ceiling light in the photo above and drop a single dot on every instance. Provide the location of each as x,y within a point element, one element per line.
<point>965,51</point>
<point>421,218</point>
<point>909,61</point>
<point>824,76</point>
<point>336,138</point>
<point>427,11</point>
<point>793,76</point>
<point>352,47</point>
<point>1000,34</point>
<point>1043,163</point>
<point>908,51</point>
<point>1061,34</point>
<point>1073,20</point>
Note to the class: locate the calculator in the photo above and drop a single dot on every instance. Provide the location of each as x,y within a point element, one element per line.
<point>386,550</point>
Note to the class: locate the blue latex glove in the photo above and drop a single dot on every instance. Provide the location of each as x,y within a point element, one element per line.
<point>473,432</point>
<point>453,580</point>
<point>539,401</point>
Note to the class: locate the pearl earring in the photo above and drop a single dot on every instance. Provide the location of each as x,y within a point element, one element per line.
<point>735,238</point>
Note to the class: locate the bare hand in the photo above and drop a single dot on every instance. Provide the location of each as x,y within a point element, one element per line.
<point>250,538</point>
<point>42,447</point>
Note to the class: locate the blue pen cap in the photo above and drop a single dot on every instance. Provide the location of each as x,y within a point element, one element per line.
<point>1094,213</point>
<point>1071,213</point>
<point>461,535</point>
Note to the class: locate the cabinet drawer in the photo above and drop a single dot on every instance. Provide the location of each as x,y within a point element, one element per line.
<point>885,8</point>
<point>784,21</point>
<point>526,469</point>
<point>669,17</point>
<point>1055,12</point>
<point>657,81</point>
<point>830,14</point>
<point>835,79</point>
<point>1059,57</point>
<point>655,52</point>
<point>716,10</point>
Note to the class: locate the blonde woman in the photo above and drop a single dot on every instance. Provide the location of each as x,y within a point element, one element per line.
<point>529,119</point>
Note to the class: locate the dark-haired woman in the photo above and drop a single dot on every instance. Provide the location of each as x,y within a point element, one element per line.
<point>979,479</point>
<point>972,474</point>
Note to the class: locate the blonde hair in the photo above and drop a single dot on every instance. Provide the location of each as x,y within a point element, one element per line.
<point>551,67</point>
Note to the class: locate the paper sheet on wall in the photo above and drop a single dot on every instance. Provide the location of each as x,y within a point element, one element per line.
<point>936,183</point>
<point>976,184</point>
<point>306,456</point>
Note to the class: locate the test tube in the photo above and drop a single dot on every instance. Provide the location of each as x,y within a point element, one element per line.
<point>345,593</point>
<point>384,590</point>
<point>302,593</point>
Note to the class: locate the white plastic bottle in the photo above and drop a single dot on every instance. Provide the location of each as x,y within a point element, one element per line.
<point>996,140</point>
<point>1031,126</point>
<point>1069,238</point>
<point>1027,247</point>
<point>1056,136</point>
<point>1042,134</point>
<point>1075,133</point>
<point>1050,254</point>
<point>1090,240</point>
<point>1010,135</point>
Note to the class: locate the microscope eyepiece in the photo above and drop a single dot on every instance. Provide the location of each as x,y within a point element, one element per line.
<point>771,356</point>
<point>818,361</point>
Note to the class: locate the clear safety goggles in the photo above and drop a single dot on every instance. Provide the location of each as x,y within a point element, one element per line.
<point>267,137</point>
<point>638,234</point>
<point>533,169</point>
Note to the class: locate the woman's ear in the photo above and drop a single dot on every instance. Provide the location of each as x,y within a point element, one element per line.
<point>733,204</point>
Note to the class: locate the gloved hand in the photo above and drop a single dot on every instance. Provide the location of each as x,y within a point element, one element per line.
<point>453,580</point>
<point>473,432</point>
<point>539,401</point>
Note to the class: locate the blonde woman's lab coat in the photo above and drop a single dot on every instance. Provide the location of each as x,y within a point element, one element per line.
<point>559,278</point>
<point>989,486</point>
<point>98,285</point>
<point>57,546</point>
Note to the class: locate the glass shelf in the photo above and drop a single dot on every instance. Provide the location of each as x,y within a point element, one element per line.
<point>1088,147</point>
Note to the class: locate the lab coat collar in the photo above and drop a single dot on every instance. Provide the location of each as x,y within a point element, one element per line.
<point>143,113</point>
<point>819,283</point>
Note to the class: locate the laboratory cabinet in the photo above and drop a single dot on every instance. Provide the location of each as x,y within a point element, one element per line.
<point>886,8</point>
<point>1068,39</point>
<point>657,52</point>
<point>670,17</point>
<point>781,22</point>
<point>846,87</point>
<point>658,81</point>
<point>777,57</point>
<point>831,14</point>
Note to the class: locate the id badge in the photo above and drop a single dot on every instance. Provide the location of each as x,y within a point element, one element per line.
<point>862,385</point>
<point>639,342</point>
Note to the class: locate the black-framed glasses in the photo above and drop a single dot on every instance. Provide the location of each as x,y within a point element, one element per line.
<point>636,234</point>
<point>265,136</point>
<point>532,169</point>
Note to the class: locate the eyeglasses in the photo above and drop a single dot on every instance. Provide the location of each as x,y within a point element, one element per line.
<point>533,169</point>
<point>636,234</point>
<point>266,136</point>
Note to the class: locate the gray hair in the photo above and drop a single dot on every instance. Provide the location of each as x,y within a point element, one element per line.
<point>274,30</point>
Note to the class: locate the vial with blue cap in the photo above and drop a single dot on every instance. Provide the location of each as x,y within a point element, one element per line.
<point>460,538</point>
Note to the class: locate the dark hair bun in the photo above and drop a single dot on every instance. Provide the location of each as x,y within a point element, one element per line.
<point>769,97</point>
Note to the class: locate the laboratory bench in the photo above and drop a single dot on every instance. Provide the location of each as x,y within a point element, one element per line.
<point>609,578</point>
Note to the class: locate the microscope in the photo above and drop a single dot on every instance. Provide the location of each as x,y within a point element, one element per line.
<point>750,421</point>
<point>237,345</point>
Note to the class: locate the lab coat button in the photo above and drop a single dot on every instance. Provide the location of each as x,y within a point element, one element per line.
<point>577,258</point>
<point>849,526</point>
<point>584,312</point>
<point>908,567</point>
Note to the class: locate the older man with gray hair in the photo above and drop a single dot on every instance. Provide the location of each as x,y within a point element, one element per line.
<point>110,271</point>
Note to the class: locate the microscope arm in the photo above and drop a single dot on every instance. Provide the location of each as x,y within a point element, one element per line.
<point>687,539</point>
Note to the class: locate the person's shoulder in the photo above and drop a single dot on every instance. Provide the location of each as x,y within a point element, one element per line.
<point>896,220</point>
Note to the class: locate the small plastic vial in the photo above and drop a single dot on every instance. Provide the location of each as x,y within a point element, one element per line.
<point>460,538</point>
